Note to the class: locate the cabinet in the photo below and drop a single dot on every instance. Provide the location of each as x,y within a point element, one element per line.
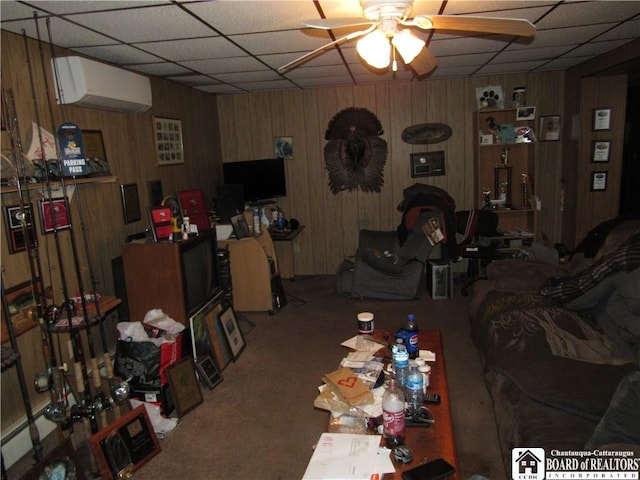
<point>178,277</point>
<point>286,244</point>
<point>505,173</point>
<point>255,276</point>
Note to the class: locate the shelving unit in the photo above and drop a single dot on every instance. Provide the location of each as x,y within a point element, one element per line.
<point>505,174</point>
<point>55,184</point>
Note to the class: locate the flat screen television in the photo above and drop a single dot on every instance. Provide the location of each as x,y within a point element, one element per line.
<point>261,179</point>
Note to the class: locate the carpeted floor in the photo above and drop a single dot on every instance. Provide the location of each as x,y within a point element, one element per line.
<point>260,423</point>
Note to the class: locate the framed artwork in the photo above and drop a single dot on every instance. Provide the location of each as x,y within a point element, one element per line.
<point>549,128</point>
<point>232,331</point>
<point>95,152</point>
<point>601,119</point>
<point>18,221</point>
<point>184,386</point>
<point>221,349</point>
<point>427,164</point>
<point>61,462</point>
<point>208,372</point>
<point>193,205</point>
<point>283,147</point>
<point>124,445</point>
<point>525,113</point>
<point>155,193</point>
<point>240,226</point>
<point>600,150</point>
<point>130,202</point>
<point>54,215</point>
<point>168,138</point>
<point>160,222</point>
<point>598,181</point>
<point>22,307</point>
<point>201,342</point>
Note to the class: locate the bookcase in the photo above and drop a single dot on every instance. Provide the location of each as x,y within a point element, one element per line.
<point>505,172</point>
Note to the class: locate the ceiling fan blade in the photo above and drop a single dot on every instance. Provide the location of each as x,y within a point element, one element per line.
<point>318,50</point>
<point>502,26</point>
<point>334,23</point>
<point>424,62</point>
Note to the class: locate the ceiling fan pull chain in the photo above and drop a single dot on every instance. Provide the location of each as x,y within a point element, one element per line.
<point>394,64</point>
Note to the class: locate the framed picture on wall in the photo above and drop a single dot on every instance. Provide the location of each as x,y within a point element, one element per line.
<point>168,138</point>
<point>54,215</point>
<point>601,119</point>
<point>598,181</point>
<point>549,128</point>
<point>600,150</point>
<point>17,221</point>
<point>130,202</point>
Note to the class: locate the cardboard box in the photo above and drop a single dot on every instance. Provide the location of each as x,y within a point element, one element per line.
<point>439,279</point>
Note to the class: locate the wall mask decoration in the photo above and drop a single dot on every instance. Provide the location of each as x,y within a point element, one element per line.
<point>355,154</point>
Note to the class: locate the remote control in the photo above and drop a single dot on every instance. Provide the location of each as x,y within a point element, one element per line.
<point>432,398</point>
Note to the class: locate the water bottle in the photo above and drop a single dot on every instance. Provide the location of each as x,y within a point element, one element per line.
<point>412,336</point>
<point>400,363</point>
<point>393,421</point>
<point>415,392</point>
<point>256,221</point>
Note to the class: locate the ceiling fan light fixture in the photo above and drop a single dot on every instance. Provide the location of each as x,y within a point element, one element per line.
<point>408,45</point>
<point>375,49</point>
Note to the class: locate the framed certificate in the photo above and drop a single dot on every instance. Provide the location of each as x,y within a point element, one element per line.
<point>184,386</point>
<point>600,150</point>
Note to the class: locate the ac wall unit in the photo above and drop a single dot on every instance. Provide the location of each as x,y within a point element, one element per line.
<point>87,83</point>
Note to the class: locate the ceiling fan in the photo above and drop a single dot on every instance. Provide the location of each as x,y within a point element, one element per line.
<point>383,35</point>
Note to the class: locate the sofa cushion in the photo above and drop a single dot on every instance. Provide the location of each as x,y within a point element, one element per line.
<point>621,422</point>
<point>624,258</point>
<point>619,314</point>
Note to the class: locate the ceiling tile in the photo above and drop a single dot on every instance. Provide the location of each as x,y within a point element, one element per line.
<point>145,24</point>
<point>254,16</point>
<point>159,69</point>
<point>224,65</point>
<point>194,49</point>
<point>575,14</point>
<point>119,54</point>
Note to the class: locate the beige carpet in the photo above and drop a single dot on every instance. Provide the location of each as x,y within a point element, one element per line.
<point>260,423</point>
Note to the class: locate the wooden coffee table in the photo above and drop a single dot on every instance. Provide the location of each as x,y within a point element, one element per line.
<point>437,440</point>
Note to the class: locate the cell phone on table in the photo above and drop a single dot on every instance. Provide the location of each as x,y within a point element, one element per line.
<point>433,470</point>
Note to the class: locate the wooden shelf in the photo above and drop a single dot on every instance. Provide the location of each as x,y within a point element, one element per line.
<point>54,184</point>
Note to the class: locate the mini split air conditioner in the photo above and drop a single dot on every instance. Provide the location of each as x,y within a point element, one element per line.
<point>87,83</point>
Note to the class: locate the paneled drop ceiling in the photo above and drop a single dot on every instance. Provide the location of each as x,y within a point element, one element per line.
<point>227,47</point>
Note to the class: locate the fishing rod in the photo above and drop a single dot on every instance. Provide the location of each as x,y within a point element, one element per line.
<point>31,421</point>
<point>52,380</point>
<point>119,392</point>
<point>97,403</point>
<point>85,410</point>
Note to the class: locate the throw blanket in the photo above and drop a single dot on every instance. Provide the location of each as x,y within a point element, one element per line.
<point>550,353</point>
<point>564,289</point>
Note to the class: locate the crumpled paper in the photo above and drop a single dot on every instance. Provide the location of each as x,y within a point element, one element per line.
<point>161,425</point>
<point>158,319</point>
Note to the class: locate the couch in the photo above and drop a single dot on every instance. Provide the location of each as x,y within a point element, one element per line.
<point>560,344</point>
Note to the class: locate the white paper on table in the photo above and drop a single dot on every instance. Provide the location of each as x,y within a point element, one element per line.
<point>383,461</point>
<point>343,456</point>
<point>362,343</point>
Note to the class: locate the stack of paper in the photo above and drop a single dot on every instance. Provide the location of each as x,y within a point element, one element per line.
<point>345,456</point>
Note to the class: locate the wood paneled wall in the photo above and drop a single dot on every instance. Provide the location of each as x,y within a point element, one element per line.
<point>129,144</point>
<point>251,122</point>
